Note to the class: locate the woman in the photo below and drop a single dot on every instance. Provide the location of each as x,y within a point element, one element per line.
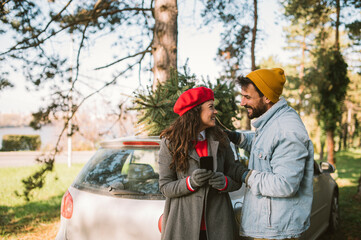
<point>197,203</point>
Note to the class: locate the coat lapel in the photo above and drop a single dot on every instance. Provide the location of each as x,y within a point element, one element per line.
<point>193,154</point>
<point>212,151</point>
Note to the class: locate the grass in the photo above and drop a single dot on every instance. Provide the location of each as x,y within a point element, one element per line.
<point>20,219</point>
<point>39,218</point>
<point>348,172</point>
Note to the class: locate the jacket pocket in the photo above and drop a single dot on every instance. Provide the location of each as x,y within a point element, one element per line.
<point>269,212</point>
<point>262,160</point>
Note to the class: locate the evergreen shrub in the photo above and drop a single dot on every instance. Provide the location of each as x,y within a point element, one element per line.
<point>21,142</point>
<point>155,107</point>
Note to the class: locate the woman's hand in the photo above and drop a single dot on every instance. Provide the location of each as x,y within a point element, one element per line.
<point>217,181</point>
<point>200,177</point>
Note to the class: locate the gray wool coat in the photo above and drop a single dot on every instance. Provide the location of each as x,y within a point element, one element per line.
<point>183,209</point>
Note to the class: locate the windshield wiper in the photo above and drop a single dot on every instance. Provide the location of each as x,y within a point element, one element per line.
<point>115,191</point>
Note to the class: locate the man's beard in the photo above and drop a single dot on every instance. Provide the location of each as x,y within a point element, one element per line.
<point>256,111</point>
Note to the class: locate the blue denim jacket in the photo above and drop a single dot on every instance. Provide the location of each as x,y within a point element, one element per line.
<point>279,190</point>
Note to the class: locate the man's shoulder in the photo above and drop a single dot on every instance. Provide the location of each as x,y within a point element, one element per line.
<point>288,122</point>
<point>288,116</point>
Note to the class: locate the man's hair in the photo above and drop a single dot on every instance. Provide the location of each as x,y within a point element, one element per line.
<point>245,81</point>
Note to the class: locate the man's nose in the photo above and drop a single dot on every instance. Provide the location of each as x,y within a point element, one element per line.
<point>243,102</point>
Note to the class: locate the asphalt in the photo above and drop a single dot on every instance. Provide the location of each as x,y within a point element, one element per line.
<point>27,158</point>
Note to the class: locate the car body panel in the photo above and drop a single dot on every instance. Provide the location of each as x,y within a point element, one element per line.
<point>323,188</point>
<point>98,216</point>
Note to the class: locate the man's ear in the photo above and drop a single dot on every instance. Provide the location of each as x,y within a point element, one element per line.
<point>267,100</point>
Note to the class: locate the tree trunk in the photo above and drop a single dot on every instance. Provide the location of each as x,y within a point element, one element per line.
<point>330,147</point>
<point>338,8</point>
<point>301,76</point>
<point>164,47</point>
<point>358,194</point>
<point>254,33</point>
<point>322,144</point>
<point>253,47</point>
<point>344,136</point>
<point>349,132</point>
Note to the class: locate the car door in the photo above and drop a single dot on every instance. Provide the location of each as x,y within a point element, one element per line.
<point>320,206</point>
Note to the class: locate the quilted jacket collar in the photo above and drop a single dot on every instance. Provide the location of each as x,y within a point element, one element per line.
<point>273,111</point>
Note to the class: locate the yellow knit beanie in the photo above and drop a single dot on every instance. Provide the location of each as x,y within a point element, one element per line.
<point>269,81</point>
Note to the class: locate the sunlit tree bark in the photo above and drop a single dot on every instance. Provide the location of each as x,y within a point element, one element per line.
<point>254,35</point>
<point>253,47</point>
<point>164,48</point>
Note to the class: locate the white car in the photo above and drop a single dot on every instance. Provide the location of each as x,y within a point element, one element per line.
<point>116,195</point>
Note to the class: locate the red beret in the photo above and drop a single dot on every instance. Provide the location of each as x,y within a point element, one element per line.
<point>192,98</point>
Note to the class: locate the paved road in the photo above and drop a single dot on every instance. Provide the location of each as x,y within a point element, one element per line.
<point>16,159</point>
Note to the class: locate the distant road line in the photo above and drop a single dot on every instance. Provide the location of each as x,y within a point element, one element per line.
<point>27,158</point>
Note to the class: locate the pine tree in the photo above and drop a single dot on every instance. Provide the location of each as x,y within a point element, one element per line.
<point>155,107</point>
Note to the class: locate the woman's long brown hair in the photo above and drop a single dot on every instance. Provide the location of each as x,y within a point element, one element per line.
<point>183,134</point>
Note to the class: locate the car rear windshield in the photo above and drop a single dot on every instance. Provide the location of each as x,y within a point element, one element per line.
<point>131,173</point>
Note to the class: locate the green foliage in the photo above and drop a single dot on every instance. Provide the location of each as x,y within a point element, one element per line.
<point>21,142</point>
<point>353,113</point>
<point>354,31</point>
<point>329,79</point>
<point>312,11</point>
<point>225,102</point>
<point>37,179</point>
<point>156,106</point>
<point>4,83</point>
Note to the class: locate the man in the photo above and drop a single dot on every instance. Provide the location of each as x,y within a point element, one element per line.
<point>278,197</point>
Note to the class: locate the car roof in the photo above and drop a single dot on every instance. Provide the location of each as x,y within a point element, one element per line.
<point>132,141</point>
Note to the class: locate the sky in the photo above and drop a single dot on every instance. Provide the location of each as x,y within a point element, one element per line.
<point>197,46</point>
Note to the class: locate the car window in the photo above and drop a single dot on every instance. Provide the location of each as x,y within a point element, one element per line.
<point>126,172</point>
<point>121,171</point>
<point>240,154</point>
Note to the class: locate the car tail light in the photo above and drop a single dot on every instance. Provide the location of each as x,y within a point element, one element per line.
<point>67,205</point>
<point>160,223</point>
<point>140,143</point>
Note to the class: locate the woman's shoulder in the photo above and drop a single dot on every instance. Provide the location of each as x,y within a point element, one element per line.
<point>164,141</point>
<point>218,135</point>
<point>164,147</point>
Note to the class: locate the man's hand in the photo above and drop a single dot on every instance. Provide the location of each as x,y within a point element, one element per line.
<point>217,181</point>
<point>200,177</point>
<point>233,136</point>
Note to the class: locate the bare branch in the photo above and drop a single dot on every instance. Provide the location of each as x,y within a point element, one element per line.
<point>124,10</point>
<point>14,48</point>
<point>88,19</point>
<point>25,40</point>
<point>81,43</point>
<point>53,18</point>
<point>127,57</point>
<point>117,120</point>
<point>78,56</point>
